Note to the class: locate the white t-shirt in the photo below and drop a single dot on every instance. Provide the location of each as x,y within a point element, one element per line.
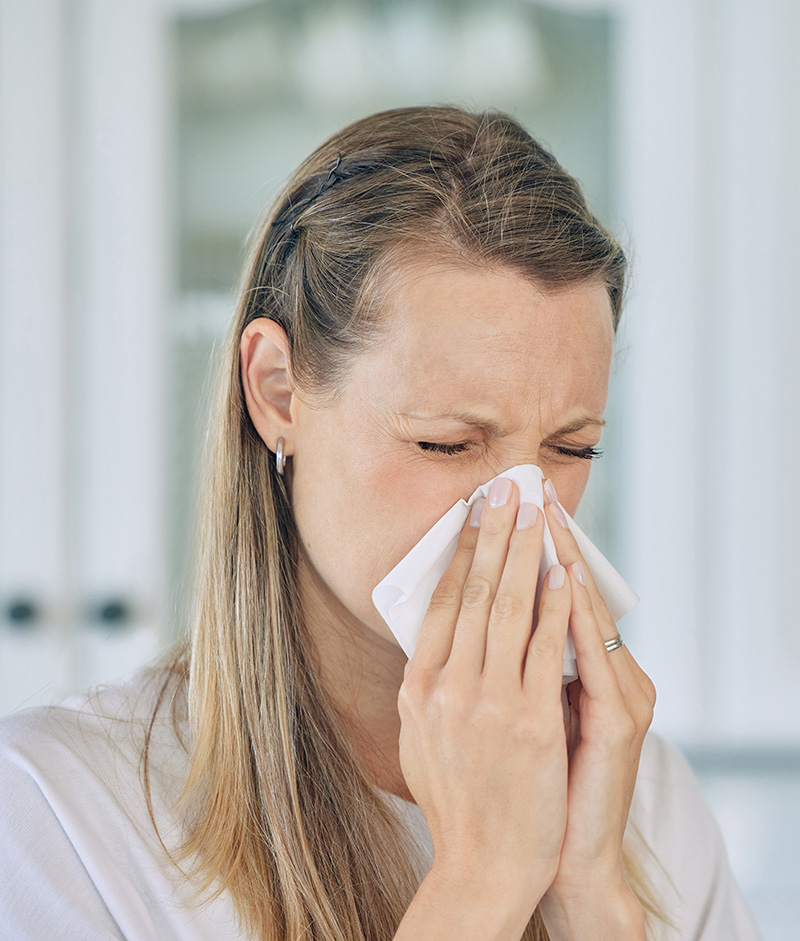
<point>81,861</point>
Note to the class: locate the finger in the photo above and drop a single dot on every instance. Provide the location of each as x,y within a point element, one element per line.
<point>598,675</point>
<point>614,680</point>
<point>511,616</point>
<point>602,622</point>
<point>545,659</point>
<point>436,633</point>
<point>630,677</point>
<point>568,552</point>
<point>497,521</point>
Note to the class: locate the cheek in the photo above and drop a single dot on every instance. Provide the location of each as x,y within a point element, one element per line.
<point>570,483</point>
<point>412,487</point>
<point>360,505</point>
<point>408,493</point>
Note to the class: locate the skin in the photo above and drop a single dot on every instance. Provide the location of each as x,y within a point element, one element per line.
<point>363,491</point>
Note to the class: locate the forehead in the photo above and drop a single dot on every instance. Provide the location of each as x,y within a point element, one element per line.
<point>466,334</point>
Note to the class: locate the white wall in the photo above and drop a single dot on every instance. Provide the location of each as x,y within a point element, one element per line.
<point>711,200</point>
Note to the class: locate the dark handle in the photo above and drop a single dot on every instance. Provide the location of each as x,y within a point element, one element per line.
<point>113,612</point>
<point>22,613</point>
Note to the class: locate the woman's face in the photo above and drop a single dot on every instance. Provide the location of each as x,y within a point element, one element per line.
<point>477,359</point>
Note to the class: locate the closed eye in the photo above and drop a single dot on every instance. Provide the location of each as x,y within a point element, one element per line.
<point>587,454</point>
<point>444,448</point>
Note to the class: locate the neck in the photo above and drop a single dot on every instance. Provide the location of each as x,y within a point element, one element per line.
<point>361,672</point>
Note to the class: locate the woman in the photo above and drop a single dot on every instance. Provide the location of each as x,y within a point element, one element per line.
<point>429,303</point>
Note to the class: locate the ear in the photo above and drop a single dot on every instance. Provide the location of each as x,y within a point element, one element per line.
<point>268,390</point>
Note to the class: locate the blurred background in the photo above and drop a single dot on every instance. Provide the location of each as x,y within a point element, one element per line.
<point>141,139</point>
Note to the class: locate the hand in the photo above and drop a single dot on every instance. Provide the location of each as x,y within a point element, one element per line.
<point>610,710</point>
<point>483,745</point>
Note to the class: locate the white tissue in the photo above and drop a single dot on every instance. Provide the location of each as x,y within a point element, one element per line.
<point>403,596</point>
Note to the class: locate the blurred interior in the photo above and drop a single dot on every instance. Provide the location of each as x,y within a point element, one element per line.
<point>139,142</point>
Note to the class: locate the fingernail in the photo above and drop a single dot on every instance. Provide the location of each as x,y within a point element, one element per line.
<point>527,515</point>
<point>550,491</point>
<point>475,512</point>
<point>556,577</point>
<point>558,514</point>
<point>577,568</point>
<point>499,492</point>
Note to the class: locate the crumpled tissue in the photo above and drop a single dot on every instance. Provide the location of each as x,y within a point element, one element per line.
<point>403,596</point>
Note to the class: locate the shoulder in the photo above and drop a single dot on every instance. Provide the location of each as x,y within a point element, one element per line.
<point>679,842</point>
<point>81,856</point>
<point>90,739</point>
<point>666,775</point>
<point>91,745</point>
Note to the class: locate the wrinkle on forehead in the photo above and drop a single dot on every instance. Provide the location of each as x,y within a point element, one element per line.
<point>467,335</point>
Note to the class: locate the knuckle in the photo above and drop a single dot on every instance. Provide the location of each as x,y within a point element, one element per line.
<point>449,702</point>
<point>466,546</point>
<point>625,729</point>
<point>583,602</point>
<point>416,684</point>
<point>644,712</point>
<point>646,716</point>
<point>477,591</point>
<point>547,648</point>
<point>490,713</point>
<point>602,612</point>
<point>551,604</point>
<point>493,523</point>
<point>507,607</point>
<point>446,595</point>
<point>538,731</point>
<point>524,734</point>
<point>644,682</point>
<point>406,700</point>
<point>406,695</point>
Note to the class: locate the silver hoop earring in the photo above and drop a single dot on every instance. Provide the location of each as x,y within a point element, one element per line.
<point>280,457</point>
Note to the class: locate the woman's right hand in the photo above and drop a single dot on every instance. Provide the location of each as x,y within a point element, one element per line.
<point>482,743</point>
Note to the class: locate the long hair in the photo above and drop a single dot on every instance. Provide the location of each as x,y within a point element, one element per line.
<point>284,817</point>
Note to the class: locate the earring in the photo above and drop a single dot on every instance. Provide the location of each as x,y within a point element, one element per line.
<point>280,457</point>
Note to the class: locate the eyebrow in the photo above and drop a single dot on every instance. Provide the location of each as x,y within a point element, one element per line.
<point>478,421</point>
<point>580,423</point>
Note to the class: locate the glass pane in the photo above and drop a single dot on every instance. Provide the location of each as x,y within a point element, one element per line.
<point>261,86</point>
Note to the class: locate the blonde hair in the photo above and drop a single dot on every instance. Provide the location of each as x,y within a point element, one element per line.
<point>284,817</point>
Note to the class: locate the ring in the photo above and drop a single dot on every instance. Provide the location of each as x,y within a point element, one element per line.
<point>614,643</point>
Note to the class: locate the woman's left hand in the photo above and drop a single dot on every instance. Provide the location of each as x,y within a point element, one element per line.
<point>610,710</point>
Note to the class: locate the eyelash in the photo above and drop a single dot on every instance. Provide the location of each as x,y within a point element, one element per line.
<point>587,454</point>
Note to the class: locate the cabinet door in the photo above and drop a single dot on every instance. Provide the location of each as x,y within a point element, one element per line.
<point>84,344</point>
<point>35,654</point>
